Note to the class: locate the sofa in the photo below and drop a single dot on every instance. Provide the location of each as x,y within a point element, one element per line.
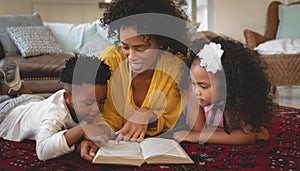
<point>279,46</point>
<point>41,48</point>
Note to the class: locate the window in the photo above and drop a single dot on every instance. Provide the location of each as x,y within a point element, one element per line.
<point>289,1</point>
<point>197,10</point>
<point>202,14</point>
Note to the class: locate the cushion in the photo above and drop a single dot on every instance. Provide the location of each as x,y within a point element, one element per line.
<point>72,36</point>
<point>13,21</point>
<point>94,46</point>
<point>279,46</point>
<point>289,23</point>
<point>34,40</point>
<point>40,66</point>
<point>103,31</point>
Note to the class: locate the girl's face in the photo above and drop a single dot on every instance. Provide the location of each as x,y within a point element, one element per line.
<point>204,84</point>
<point>87,100</point>
<point>140,50</point>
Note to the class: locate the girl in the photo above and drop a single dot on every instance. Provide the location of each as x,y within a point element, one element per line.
<point>235,111</point>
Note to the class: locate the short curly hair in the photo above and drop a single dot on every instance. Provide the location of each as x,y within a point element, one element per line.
<point>248,96</point>
<point>83,69</point>
<point>120,9</point>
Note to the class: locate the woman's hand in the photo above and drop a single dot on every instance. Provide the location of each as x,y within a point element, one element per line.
<point>132,132</point>
<point>136,127</point>
<point>87,149</point>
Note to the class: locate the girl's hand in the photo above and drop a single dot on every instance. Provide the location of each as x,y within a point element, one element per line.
<point>136,126</point>
<point>186,136</point>
<point>263,134</point>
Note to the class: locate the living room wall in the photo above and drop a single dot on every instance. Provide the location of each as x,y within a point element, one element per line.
<point>229,17</point>
<point>68,11</point>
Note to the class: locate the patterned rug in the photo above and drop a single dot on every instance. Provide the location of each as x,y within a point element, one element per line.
<point>281,152</point>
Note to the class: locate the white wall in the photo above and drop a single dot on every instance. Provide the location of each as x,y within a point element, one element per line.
<point>69,11</point>
<point>14,7</point>
<point>228,17</point>
<point>231,17</point>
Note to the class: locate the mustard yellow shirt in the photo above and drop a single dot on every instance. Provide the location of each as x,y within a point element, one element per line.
<point>163,98</point>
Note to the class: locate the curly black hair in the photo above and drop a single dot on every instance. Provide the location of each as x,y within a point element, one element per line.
<point>168,28</point>
<point>248,97</point>
<point>84,69</point>
<point>163,20</point>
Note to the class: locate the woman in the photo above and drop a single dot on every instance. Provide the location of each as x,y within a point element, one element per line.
<point>147,90</point>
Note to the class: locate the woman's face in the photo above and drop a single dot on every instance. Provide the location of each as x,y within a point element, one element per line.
<point>204,85</point>
<point>140,50</point>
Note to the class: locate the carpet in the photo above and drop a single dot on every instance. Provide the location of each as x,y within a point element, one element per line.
<point>281,152</point>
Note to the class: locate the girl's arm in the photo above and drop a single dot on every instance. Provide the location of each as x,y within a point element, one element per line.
<point>195,120</point>
<point>221,137</point>
<point>236,136</point>
<point>198,133</point>
<point>217,136</point>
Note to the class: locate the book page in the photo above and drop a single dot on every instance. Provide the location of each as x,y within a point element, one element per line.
<point>124,153</point>
<point>152,147</point>
<point>126,149</point>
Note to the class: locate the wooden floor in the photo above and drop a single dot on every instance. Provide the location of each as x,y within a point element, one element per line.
<point>288,96</point>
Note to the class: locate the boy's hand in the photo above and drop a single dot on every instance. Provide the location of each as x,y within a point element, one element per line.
<point>87,149</point>
<point>99,134</point>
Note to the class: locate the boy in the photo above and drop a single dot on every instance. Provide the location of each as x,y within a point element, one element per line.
<point>61,120</point>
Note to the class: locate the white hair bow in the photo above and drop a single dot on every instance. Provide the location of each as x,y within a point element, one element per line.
<point>210,57</point>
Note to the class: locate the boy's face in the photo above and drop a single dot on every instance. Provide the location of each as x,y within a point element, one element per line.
<point>204,84</point>
<point>88,100</point>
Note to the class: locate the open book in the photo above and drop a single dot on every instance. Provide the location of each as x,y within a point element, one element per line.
<point>150,151</point>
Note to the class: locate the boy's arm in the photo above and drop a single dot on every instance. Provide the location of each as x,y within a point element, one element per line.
<point>73,135</point>
<point>97,133</point>
<point>100,133</point>
<point>53,142</point>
